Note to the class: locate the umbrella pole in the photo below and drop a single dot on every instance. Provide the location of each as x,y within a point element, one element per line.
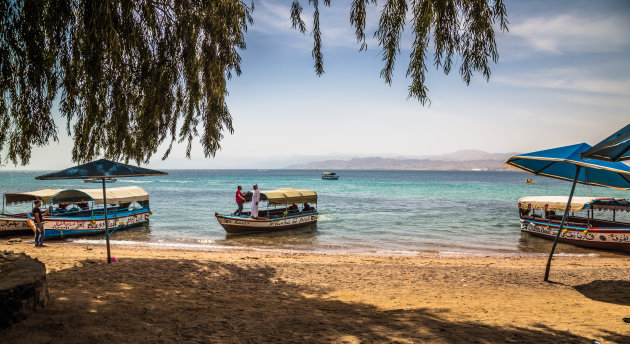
<point>109,256</point>
<point>564,217</point>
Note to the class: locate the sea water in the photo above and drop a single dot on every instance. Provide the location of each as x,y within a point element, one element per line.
<point>382,212</point>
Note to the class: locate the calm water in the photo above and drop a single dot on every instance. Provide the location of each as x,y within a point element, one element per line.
<point>364,211</point>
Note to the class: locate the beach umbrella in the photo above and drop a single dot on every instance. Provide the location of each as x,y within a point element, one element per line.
<point>565,163</point>
<point>105,170</point>
<point>616,147</point>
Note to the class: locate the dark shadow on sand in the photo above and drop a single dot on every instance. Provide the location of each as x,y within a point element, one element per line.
<point>611,291</point>
<point>194,301</point>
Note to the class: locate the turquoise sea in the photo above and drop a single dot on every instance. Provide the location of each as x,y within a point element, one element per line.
<point>382,212</point>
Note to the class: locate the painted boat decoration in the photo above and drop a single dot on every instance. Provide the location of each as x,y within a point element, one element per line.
<point>285,209</point>
<point>81,212</point>
<point>330,176</point>
<point>541,216</point>
<point>16,223</point>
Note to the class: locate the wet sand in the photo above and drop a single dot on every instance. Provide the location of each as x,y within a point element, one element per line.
<point>170,296</point>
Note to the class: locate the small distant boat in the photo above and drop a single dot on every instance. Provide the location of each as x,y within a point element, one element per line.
<point>16,223</point>
<point>330,176</point>
<point>539,218</point>
<point>81,212</point>
<point>99,180</point>
<point>529,181</point>
<point>285,214</point>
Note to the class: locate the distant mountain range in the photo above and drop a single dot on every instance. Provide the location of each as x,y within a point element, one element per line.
<point>464,160</point>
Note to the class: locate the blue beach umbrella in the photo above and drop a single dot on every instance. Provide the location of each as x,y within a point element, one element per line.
<point>104,170</point>
<point>616,147</point>
<point>565,163</point>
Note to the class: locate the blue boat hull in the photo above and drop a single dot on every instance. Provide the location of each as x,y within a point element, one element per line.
<point>59,227</point>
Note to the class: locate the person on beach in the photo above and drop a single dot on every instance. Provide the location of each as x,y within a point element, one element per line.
<point>255,200</point>
<point>239,201</point>
<point>39,224</point>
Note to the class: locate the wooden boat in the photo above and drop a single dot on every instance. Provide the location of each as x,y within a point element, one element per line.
<point>15,223</point>
<point>99,180</point>
<point>330,176</point>
<point>541,217</point>
<point>285,214</point>
<point>81,212</point>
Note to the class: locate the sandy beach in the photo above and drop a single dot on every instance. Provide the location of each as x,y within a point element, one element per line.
<point>158,295</point>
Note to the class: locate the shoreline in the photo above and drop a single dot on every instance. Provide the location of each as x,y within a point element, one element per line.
<point>205,247</point>
<point>212,247</point>
<point>243,295</point>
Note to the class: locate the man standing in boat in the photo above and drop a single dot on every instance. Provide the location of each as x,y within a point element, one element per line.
<point>239,201</point>
<point>255,200</point>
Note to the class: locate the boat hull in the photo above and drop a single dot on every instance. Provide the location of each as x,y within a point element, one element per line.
<point>59,227</point>
<point>234,224</point>
<point>612,239</point>
<point>14,225</point>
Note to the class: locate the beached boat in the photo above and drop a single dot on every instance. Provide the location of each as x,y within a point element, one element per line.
<point>81,212</point>
<point>286,208</point>
<point>99,180</point>
<point>330,176</point>
<point>15,223</point>
<point>541,217</point>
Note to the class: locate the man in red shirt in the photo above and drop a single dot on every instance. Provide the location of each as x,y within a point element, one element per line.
<point>239,201</point>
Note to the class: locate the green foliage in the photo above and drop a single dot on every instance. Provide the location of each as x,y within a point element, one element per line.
<point>135,74</point>
<point>132,74</point>
<point>461,29</point>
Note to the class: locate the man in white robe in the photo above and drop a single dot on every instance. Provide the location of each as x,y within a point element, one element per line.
<point>255,200</point>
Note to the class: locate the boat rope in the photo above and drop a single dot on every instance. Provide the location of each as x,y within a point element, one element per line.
<point>103,238</point>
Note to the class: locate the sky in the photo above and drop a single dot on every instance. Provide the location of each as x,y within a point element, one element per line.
<point>563,77</point>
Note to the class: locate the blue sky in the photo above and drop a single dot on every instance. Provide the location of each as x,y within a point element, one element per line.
<point>563,77</point>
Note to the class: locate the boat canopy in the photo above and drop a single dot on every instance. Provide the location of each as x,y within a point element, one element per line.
<point>286,196</point>
<point>119,195</point>
<point>559,203</point>
<point>328,173</point>
<point>43,195</point>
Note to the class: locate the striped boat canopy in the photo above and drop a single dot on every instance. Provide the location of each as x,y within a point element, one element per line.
<point>559,203</point>
<point>119,195</point>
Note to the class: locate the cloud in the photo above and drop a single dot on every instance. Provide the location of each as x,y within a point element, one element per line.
<point>599,101</point>
<point>570,79</point>
<point>568,33</point>
<point>273,19</point>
